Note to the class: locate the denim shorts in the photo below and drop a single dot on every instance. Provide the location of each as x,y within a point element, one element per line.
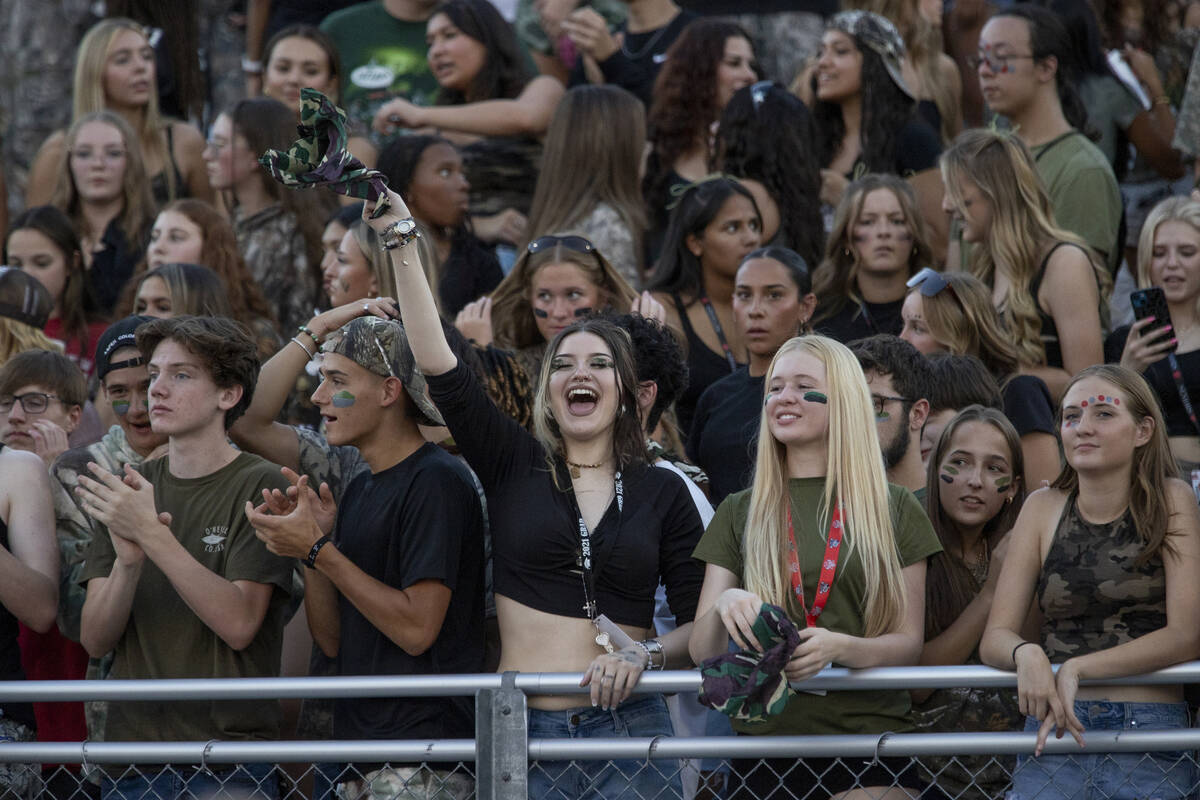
<point>170,782</point>
<point>1110,776</point>
<point>644,716</point>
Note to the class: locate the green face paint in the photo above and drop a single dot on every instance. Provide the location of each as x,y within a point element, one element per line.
<point>343,399</point>
<point>882,416</point>
<point>949,469</point>
<point>767,399</point>
<point>815,397</point>
<point>1003,484</point>
<point>120,407</point>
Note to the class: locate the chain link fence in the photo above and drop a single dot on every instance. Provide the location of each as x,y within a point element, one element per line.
<point>504,761</point>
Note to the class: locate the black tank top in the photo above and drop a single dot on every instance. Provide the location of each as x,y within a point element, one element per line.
<point>704,369</point>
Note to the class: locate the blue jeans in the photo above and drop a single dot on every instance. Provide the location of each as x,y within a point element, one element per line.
<point>258,781</point>
<point>1110,776</point>
<point>641,717</point>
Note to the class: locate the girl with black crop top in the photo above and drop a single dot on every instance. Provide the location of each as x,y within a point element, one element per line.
<point>1110,553</point>
<point>714,226</point>
<point>582,528</point>
<point>1049,287</point>
<point>1169,257</point>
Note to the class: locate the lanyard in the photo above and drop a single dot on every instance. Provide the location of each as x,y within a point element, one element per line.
<point>833,542</point>
<point>716,323</point>
<point>585,548</point>
<point>1177,375</point>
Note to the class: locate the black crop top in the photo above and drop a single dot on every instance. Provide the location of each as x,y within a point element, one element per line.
<point>1158,375</point>
<point>535,536</point>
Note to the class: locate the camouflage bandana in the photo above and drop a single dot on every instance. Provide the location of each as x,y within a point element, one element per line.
<point>381,346</point>
<point>877,33</point>
<point>748,685</point>
<point>320,158</point>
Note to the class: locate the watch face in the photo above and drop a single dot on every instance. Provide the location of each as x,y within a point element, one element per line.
<point>405,227</point>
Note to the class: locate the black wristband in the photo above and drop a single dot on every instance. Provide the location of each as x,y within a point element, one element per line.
<point>311,561</point>
<point>1018,647</point>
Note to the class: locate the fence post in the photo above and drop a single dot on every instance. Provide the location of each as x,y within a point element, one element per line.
<point>501,742</point>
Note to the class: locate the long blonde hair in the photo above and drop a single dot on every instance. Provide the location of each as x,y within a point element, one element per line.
<point>137,210</point>
<point>17,337</point>
<point>89,97</point>
<point>854,476</point>
<point>1022,227</point>
<point>962,318</point>
<point>1173,209</point>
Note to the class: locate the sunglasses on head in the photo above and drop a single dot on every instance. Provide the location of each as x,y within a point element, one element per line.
<point>577,244</point>
<point>758,93</point>
<point>929,282</point>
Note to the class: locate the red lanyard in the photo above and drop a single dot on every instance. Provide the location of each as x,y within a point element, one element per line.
<point>833,542</point>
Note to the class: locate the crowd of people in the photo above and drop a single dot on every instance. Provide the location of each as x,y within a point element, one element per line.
<point>638,357</point>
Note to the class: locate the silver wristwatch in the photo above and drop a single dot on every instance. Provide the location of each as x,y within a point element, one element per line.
<point>400,233</point>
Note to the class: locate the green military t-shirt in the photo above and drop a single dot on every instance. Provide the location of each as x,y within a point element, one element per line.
<point>1083,192</point>
<point>845,712</point>
<point>165,639</point>
<point>382,57</point>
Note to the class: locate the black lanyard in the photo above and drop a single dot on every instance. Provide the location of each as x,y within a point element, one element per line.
<point>1177,376</point>
<point>716,324</point>
<point>585,547</point>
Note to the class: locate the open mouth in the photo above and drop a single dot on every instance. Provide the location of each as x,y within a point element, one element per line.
<point>582,401</point>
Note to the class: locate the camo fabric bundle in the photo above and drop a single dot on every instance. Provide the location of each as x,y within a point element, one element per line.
<point>748,685</point>
<point>320,158</point>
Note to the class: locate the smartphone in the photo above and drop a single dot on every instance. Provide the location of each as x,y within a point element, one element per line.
<point>1153,303</point>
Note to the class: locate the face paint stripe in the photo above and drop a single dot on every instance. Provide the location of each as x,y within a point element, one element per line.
<point>343,399</point>
<point>120,407</point>
<point>815,397</point>
<point>949,470</point>
<point>946,478</point>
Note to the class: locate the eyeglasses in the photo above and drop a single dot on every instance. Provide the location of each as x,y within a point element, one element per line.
<point>107,156</point>
<point>930,282</point>
<point>31,402</point>
<point>758,93</point>
<point>997,63</point>
<point>879,401</point>
<point>576,244</point>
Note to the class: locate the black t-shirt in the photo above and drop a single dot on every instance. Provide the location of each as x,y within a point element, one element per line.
<point>635,65</point>
<point>1028,406</point>
<point>470,271</point>
<point>534,527</point>
<point>1158,375</point>
<point>418,520</point>
<point>725,432</point>
<point>860,321</point>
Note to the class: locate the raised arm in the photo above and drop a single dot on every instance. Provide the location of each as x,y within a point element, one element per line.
<point>418,310</point>
<point>257,431</point>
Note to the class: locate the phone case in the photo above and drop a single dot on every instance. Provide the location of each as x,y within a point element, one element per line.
<point>1152,303</point>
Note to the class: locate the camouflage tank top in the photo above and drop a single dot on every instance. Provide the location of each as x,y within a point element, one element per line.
<point>1092,593</point>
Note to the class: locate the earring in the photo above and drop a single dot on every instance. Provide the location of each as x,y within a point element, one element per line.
<point>621,411</point>
<point>846,252</point>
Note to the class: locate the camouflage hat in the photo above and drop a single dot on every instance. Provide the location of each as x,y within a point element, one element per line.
<point>878,33</point>
<point>23,298</point>
<point>381,346</point>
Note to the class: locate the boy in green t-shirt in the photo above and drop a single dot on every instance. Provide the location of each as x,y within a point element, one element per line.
<point>177,583</point>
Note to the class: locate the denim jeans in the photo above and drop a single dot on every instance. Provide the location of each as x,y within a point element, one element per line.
<point>1110,776</point>
<point>257,781</point>
<point>642,717</point>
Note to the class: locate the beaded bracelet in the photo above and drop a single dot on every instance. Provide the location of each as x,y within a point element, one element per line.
<point>311,335</point>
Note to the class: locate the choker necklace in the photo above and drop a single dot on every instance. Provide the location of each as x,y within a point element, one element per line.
<point>576,467</point>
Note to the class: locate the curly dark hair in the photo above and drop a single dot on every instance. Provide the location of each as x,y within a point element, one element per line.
<point>657,357</point>
<point>226,349</point>
<point>684,105</point>
<point>505,72</point>
<point>889,355</point>
<point>766,135</point>
<point>885,110</point>
<point>678,270</point>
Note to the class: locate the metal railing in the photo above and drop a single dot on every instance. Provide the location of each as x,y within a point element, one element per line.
<point>499,758</point>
